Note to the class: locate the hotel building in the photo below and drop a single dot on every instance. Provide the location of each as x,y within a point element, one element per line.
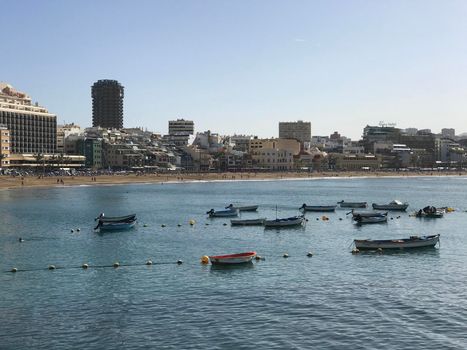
<point>32,129</point>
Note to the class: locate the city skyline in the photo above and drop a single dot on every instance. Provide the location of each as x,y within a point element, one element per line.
<point>244,67</point>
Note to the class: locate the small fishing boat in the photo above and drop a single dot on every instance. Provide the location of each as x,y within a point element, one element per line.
<point>318,208</point>
<point>429,212</point>
<point>243,208</point>
<point>393,205</point>
<point>352,204</point>
<point>367,213</point>
<point>370,219</point>
<point>240,258</point>
<point>104,218</point>
<point>248,222</point>
<point>404,243</point>
<point>286,222</point>
<point>222,213</point>
<point>115,226</point>
<point>115,223</point>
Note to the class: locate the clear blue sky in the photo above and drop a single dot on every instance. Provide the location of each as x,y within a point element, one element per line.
<point>243,66</point>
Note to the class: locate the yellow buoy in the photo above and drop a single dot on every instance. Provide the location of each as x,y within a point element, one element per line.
<point>205,259</point>
<point>192,222</point>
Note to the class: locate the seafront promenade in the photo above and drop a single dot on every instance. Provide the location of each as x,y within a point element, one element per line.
<point>9,181</point>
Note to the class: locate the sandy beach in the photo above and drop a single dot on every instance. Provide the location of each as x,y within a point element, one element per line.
<point>9,182</point>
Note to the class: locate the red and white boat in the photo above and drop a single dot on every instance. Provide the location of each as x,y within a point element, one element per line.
<point>240,258</point>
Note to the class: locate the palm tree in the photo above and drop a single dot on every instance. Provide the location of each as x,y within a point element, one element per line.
<point>40,158</point>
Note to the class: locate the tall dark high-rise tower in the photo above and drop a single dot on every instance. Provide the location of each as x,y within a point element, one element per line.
<point>107,104</point>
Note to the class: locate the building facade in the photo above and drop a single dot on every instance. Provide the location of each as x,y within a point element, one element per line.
<point>31,127</point>
<point>290,145</point>
<point>107,104</point>
<point>299,130</point>
<point>181,127</point>
<point>63,131</point>
<point>4,146</point>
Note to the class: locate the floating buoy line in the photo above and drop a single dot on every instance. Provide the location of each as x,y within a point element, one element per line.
<point>85,266</point>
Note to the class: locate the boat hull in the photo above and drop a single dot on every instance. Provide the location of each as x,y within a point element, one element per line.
<point>393,207</point>
<point>223,213</point>
<point>243,208</point>
<point>251,222</point>
<point>289,222</point>
<point>352,204</point>
<point>232,259</point>
<point>116,226</point>
<point>371,220</point>
<point>405,243</point>
<point>319,208</point>
<point>125,218</point>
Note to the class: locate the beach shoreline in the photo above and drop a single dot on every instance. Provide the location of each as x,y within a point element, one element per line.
<point>36,181</point>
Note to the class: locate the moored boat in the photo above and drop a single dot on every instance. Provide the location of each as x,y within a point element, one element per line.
<point>344,204</point>
<point>115,223</point>
<point>370,219</point>
<point>242,208</point>
<point>368,213</point>
<point>430,212</point>
<point>285,222</point>
<point>104,218</point>
<point>222,213</point>
<point>403,243</point>
<point>240,258</point>
<point>247,222</point>
<point>318,208</point>
<point>393,205</point>
<point>115,226</point>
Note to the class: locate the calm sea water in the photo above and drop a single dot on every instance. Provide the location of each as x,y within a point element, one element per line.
<point>334,300</point>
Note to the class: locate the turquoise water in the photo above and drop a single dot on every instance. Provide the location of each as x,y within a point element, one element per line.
<point>333,300</point>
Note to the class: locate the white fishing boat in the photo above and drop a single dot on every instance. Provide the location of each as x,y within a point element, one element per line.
<point>393,205</point>
<point>243,208</point>
<point>222,213</point>
<point>229,259</point>
<point>403,243</point>
<point>248,222</point>
<point>344,204</point>
<point>285,222</point>
<point>318,208</point>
